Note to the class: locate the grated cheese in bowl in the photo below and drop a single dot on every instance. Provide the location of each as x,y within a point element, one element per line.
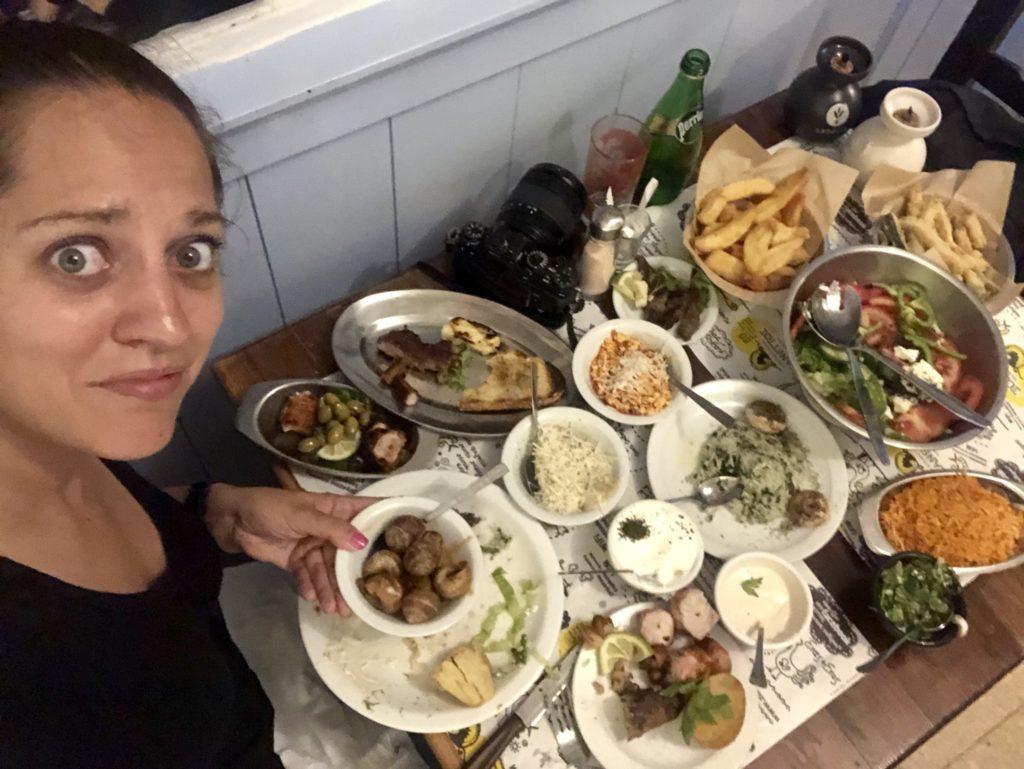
<point>573,472</point>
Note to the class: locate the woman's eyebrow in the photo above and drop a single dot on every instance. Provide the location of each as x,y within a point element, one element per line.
<point>197,217</point>
<point>100,215</point>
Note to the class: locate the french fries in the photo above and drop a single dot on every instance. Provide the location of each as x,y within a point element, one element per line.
<point>749,232</point>
<point>932,230</point>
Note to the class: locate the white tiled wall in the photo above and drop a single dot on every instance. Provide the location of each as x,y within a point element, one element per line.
<point>396,160</point>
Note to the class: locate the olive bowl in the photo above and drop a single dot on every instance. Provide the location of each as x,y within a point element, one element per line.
<point>372,522</point>
<point>258,415</point>
<point>955,629</point>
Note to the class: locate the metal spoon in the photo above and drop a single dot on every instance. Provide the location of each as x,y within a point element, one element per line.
<point>713,492</point>
<point>757,676</point>
<point>722,417</point>
<point>463,495</point>
<point>844,323</point>
<point>528,469</point>
<point>834,326</point>
<point>878,661</point>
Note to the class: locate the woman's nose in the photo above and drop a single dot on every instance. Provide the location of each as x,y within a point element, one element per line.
<point>151,312</point>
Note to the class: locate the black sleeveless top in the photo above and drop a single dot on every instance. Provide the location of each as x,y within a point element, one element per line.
<point>149,680</point>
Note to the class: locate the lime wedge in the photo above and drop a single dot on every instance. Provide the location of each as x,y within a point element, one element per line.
<point>343,449</point>
<point>621,646</point>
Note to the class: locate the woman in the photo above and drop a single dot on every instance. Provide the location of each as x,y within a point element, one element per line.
<point>113,649</point>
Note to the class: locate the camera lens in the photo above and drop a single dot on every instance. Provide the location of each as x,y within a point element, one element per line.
<point>545,206</point>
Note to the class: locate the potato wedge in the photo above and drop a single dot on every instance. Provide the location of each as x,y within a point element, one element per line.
<point>715,201</point>
<point>726,265</point>
<point>784,192</point>
<point>793,210</point>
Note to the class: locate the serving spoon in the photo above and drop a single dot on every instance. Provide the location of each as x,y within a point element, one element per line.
<point>834,315</point>
<point>528,468</point>
<point>713,492</point>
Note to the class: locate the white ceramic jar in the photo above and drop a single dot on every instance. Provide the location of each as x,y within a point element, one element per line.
<point>896,136</point>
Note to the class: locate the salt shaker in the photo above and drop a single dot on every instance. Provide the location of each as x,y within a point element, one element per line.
<point>598,261</point>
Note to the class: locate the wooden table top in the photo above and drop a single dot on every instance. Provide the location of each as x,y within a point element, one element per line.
<point>880,719</point>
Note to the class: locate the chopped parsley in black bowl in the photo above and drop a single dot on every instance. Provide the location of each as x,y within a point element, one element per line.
<point>915,592</point>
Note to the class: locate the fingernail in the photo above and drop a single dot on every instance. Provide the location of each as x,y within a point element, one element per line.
<point>358,541</point>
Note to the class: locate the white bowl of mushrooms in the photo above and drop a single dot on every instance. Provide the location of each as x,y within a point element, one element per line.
<point>413,578</point>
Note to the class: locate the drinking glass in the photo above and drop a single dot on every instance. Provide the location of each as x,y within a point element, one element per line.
<point>618,149</point>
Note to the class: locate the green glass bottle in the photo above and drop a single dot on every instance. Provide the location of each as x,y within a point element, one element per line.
<point>677,130</point>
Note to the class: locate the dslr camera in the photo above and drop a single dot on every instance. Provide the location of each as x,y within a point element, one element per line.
<point>527,259</point>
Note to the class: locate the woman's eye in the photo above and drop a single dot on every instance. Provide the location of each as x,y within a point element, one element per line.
<point>79,259</point>
<point>197,255</point>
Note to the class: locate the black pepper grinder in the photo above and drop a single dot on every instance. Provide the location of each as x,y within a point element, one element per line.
<point>825,100</point>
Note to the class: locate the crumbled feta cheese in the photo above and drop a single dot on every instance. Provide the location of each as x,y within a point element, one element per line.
<point>901,404</point>
<point>906,354</point>
<point>922,369</point>
<point>888,413</point>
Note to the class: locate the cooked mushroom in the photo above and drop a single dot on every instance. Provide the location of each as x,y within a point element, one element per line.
<point>765,416</point>
<point>807,508</point>
<point>420,606</point>
<point>424,554</point>
<point>412,582</point>
<point>453,581</point>
<point>383,561</point>
<point>602,625</point>
<point>402,531</point>
<point>383,591</point>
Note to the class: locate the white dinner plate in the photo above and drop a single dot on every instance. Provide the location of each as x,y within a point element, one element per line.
<point>602,726</point>
<point>387,679</point>
<point>680,269</point>
<point>672,455</point>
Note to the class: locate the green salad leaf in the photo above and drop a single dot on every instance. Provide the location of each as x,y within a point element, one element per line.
<point>831,377</point>
<point>455,375</point>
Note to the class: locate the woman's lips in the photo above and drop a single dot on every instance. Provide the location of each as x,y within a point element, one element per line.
<point>148,385</point>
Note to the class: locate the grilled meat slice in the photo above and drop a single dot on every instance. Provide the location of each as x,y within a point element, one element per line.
<point>405,345</point>
<point>645,709</point>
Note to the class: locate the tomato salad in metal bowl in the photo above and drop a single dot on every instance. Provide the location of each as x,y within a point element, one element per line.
<point>899,321</point>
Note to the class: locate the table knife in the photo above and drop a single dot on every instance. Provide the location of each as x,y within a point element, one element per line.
<point>527,714</point>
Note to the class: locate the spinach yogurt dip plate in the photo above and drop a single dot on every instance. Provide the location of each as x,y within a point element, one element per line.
<point>795,486</point>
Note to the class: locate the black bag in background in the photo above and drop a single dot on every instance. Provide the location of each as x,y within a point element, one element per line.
<point>974,127</point>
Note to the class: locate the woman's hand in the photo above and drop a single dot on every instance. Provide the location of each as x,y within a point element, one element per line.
<point>295,530</point>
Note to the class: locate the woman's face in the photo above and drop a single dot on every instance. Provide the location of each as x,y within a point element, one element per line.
<point>109,287</point>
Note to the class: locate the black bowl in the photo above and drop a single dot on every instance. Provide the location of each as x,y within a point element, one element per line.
<point>940,637</point>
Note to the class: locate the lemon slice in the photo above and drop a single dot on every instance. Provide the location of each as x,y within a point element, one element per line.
<point>621,646</point>
<point>343,449</point>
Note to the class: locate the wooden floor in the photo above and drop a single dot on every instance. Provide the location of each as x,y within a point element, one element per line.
<point>987,735</point>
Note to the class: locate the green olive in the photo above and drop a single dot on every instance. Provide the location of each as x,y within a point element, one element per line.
<point>356,407</point>
<point>351,427</point>
<point>324,413</point>
<point>341,411</point>
<point>345,395</point>
<point>331,399</point>
<point>332,424</point>
<point>335,435</point>
<point>309,445</point>
<point>364,418</point>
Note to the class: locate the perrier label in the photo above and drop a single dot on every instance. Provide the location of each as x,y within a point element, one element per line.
<point>677,130</point>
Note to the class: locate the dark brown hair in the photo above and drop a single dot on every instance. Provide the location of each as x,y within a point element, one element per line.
<point>35,56</point>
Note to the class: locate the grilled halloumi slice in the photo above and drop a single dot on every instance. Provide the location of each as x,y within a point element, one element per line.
<point>484,339</point>
<point>507,386</point>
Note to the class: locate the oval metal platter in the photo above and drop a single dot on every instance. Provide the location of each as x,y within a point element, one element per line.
<point>875,538</point>
<point>425,311</point>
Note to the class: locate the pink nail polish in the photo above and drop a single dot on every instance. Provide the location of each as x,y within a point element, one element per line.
<point>358,541</point>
